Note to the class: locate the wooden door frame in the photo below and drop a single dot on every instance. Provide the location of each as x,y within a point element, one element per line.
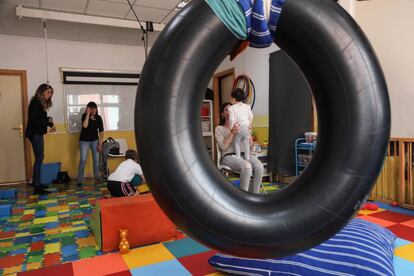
<point>216,91</point>
<point>23,84</point>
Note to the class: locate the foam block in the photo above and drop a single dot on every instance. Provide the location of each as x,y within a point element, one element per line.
<point>5,210</point>
<point>141,215</point>
<point>49,172</point>
<point>9,193</point>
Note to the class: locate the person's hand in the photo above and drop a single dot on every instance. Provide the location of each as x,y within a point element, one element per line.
<point>88,111</point>
<point>52,129</point>
<point>99,147</point>
<point>50,120</point>
<point>236,128</point>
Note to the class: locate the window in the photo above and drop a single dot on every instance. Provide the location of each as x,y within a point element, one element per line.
<point>113,94</point>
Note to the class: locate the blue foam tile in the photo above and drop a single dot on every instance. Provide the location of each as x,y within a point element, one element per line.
<point>1,194</point>
<point>82,234</point>
<point>170,268</point>
<point>40,237</point>
<point>9,193</point>
<point>19,251</point>
<point>51,225</point>
<point>403,267</point>
<point>185,247</point>
<point>70,258</point>
<point>68,250</point>
<point>40,213</point>
<point>27,239</point>
<point>401,242</point>
<point>394,209</point>
<point>5,210</point>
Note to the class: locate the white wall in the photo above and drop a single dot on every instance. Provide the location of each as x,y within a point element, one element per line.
<point>28,53</point>
<point>389,25</point>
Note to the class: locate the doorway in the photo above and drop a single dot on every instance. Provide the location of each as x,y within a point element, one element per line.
<point>222,85</point>
<point>15,163</point>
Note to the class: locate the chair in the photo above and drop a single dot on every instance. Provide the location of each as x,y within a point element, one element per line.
<point>226,169</point>
<point>123,147</point>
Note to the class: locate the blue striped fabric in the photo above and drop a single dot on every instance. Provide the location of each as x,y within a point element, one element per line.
<point>360,248</point>
<point>260,32</point>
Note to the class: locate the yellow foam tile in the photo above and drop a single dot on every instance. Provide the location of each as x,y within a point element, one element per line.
<point>11,270</point>
<point>56,208</point>
<point>368,212</point>
<point>405,252</point>
<point>78,222</point>
<point>50,232</point>
<point>5,244</point>
<point>18,235</point>
<point>73,229</point>
<point>48,201</point>
<point>147,255</point>
<point>216,274</point>
<point>85,206</point>
<point>45,220</point>
<point>52,247</point>
<point>29,212</point>
<point>31,266</point>
<point>86,242</point>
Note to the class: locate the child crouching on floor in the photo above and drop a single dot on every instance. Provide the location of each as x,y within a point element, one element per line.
<point>128,175</point>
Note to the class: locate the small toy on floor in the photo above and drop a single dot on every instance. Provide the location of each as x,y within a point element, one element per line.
<point>369,206</point>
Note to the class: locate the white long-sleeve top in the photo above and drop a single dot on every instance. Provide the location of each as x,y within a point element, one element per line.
<point>240,113</point>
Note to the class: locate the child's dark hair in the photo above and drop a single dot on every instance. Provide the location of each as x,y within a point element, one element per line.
<point>131,154</point>
<point>238,94</point>
<point>93,105</point>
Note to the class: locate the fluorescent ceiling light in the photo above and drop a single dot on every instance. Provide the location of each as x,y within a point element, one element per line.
<point>81,18</point>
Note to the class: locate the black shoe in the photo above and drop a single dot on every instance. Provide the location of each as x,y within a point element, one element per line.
<point>40,191</point>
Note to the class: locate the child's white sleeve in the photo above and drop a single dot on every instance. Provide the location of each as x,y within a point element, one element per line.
<point>138,169</point>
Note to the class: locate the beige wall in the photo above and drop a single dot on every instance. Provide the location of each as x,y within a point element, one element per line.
<point>389,24</point>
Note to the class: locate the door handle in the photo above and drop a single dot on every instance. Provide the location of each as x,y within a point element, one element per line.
<point>20,129</point>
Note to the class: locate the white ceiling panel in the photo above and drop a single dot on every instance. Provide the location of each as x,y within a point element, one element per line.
<point>77,6</point>
<point>26,3</point>
<point>168,17</point>
<point>161,4</point>
<point>148,14</point>
<point>105,8</point>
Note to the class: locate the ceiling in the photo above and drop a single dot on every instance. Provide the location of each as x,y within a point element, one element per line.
<point>157,11</point>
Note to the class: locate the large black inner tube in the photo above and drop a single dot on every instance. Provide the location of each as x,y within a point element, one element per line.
<point>353,118</point>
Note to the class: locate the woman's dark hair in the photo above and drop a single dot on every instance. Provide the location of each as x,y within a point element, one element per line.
<point>222,119</point>
<point>238,94</point>
<point>39,95</point>
<point>93,105</point>
<point>131,154</point>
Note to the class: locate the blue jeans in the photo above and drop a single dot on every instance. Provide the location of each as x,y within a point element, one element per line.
<point>38,151</point>
<point>84,146</point>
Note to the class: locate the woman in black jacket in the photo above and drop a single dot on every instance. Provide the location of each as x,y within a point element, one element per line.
<point>37,124</point>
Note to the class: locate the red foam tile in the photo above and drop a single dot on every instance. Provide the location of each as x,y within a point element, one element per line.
<point>11,261</point>
<point>198,264</point>
<point>27,217</point>
<point>100,265</point>
<point>61,270</point>
<point>409,223</point>
<point>5,235</point>
<point>382,222</point>
<point>37,246</point>
<point>403,232</point>
<point>52,259</point>
<point>392,216</point>
<point>122,273</point>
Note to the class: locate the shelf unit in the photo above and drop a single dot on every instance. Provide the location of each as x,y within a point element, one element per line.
<point>207,125</point>
<point>303,154</point>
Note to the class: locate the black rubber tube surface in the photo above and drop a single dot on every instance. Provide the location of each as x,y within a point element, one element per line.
<point>353,118</point>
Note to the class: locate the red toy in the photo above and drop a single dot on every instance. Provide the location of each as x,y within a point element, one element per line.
<point>394,204</point>
<point>369,206</point>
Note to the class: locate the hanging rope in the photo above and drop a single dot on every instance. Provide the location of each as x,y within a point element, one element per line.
<point>144,36</point>
<point>245,83</point>
<point>46,51</point>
